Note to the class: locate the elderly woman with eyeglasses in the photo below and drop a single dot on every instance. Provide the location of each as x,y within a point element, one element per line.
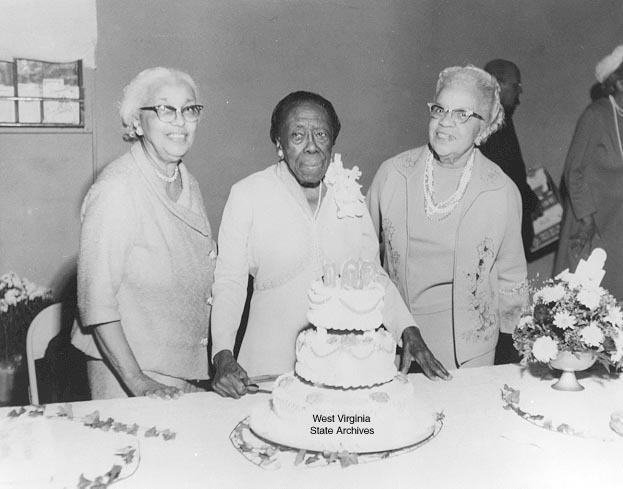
<point>282,225</point>
<point>146,261</point>
<point>450,223</point>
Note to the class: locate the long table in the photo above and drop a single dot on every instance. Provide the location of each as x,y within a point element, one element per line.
<point>484,442</point>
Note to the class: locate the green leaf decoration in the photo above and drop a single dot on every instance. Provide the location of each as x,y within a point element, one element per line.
<point>300,456</point>
<point>65,411</point>
<point>168,435</point>
<point>16,413</point>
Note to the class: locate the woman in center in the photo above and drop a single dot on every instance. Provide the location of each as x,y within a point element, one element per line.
<point>281,225</point>
<point>450,222</point>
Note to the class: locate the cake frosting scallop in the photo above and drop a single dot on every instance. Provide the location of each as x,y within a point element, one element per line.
<point>345,392</point>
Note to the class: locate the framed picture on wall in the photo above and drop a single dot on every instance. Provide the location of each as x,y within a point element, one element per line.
<point>43,93</point>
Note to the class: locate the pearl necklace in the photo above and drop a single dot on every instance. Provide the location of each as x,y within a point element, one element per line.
<point>444,209</point>
<point>166,178</point>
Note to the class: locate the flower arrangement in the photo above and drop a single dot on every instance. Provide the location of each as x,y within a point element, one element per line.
<point>571,312</point>
<point>346,189</point>
<point>20,301</point>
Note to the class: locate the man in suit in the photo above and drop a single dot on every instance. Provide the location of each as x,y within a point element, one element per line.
<point>502,148</point>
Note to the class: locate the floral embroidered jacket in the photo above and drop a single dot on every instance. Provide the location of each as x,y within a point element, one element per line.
<point>489,284</point>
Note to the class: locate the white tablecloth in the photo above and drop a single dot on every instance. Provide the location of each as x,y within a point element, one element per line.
<point>481,444</point>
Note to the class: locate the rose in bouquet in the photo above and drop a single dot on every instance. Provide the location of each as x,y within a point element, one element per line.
<point>571,312</point>
<point>20,301</point>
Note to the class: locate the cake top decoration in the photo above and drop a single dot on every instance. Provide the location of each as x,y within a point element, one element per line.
<point>589,272</point>
<point>355,274</point>
<point>347,194</point>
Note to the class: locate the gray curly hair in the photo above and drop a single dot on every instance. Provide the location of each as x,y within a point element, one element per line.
<point>136,94</point>
<point>488,88</point>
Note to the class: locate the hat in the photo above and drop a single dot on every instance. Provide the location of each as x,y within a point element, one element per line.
<point>609,64</point>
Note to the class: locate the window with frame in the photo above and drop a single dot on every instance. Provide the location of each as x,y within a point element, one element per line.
<point>37,93</point>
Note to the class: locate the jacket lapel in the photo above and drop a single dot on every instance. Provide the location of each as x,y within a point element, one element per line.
<point>197,221</point>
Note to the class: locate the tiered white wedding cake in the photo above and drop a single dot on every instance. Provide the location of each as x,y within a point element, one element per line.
<point>345,392</point>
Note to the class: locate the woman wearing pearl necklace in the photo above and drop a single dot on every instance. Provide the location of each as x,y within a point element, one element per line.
<point>450,222</point>
<point>147,257</point>
<point>593,177</point>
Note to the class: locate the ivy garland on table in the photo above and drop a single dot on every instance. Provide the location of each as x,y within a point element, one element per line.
<point>93,420</point>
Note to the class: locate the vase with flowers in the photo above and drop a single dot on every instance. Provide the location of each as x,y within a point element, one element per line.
<point>20,301</point>
<point>573,323</point>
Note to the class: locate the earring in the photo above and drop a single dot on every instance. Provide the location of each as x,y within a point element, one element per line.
<point>280,153</point>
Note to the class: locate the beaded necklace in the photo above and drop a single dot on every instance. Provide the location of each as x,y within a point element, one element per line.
<point>162,176</point>
<point>444,209</point>
<point>167,178</point>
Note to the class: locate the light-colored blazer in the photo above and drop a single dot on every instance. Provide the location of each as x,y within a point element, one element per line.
<point>148,262</point>
<point>489,286</point>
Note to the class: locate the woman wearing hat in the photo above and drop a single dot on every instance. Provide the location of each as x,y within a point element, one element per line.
<point>593,176</point>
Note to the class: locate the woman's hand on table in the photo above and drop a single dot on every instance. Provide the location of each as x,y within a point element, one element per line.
<point>143,385</point>
<point>414,348</point>
<point>230,379</point>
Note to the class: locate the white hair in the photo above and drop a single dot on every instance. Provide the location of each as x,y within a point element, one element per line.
<point>137,92</point>
<point>488,88</point>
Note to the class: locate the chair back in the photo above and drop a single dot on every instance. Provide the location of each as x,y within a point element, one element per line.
<point>46,325</point>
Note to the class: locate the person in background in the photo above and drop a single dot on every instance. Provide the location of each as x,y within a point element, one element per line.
<point>146,260</point>
<point>593,178</point>
<point>450,221</point>
<point>281,225</point>
<point>503,149</point>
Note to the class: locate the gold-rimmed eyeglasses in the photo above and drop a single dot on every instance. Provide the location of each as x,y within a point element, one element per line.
<point>168,113</point>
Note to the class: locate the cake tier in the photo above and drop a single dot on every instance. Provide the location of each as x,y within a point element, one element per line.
<point>356,420</point>
<point>345,360</point>
<point>346,309</point>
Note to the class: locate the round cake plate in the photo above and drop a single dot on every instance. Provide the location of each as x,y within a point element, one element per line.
<point>273,452</point>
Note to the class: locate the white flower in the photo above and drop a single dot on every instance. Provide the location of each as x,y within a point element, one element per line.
<point>11,279</point>
<point>552,293</point>
<point>4,306</point>
<point>12,297</point>
<point>525,321</point>
<point>589,297</point>
<point>346,190</point>
<point>592,335</point>
<point>564,320</point>
<point>39,291</point>
<point>545,349</point>
<point>615,316</point>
